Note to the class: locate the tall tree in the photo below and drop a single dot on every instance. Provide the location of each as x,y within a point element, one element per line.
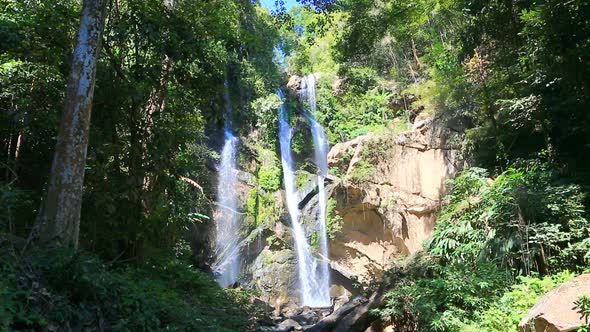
<point>59,218</point>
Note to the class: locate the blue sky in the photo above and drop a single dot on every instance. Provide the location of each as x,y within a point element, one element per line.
<point>270,4</point>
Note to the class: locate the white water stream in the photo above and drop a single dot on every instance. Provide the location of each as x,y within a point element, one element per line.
<point>321,148</point>
<point>227,221</point>
<point>311,272</point>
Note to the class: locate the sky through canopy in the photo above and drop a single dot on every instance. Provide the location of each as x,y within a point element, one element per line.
<point>270,4</point>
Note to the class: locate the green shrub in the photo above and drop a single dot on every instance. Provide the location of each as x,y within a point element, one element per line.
<point>490,234</point>
<point>582,304</point>
<point>16,207</point>
<point>359,79</point>
<point>527,219</point>
<point>252,203</point>
<point>58,288</point>
<point>269,212</point>
<point>334,221</point>
<point>427,296</point>
<point>269,178</point>
<point>361,172</point>
<point>301,179</point>
<point>505,313</point>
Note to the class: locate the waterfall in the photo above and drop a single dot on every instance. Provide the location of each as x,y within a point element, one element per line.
<point>307,266</point>
<point>227,220</point>
<point>321,148</point>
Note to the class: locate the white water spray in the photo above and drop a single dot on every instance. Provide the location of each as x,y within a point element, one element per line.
<point>306,263</point>
<point>321,148</point>
<point>227,267</point>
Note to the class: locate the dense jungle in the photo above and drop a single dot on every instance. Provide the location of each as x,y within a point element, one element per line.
<point>295,165</point>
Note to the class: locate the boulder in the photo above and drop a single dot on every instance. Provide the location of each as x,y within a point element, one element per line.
<point>274,275</point>
<point>555,311</point>
<point>290,309</point>
<point>289,325</point>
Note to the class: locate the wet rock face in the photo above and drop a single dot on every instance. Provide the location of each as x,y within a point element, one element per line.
<point>390,192</point>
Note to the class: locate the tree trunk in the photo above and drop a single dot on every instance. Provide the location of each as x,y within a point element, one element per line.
<point>58,222</point>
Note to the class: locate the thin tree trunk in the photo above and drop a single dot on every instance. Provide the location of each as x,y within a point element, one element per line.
<point>58,221</point>
<point>415,53</point>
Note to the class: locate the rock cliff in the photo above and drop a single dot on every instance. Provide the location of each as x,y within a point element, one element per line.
<point>390,191</point>
<point>386,190</point>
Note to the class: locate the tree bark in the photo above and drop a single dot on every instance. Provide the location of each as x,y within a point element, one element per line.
<point>58,222</point>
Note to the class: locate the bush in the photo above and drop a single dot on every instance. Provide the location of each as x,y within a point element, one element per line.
<point>490,234</point>
<point>583,306</point>
<point>526,219</point>
<point>359,79</point>
<point>269,212</point>
<point>505,313</point>
<point>362,172</point>
<point>429,296</point>
<point>59,289</point>
<point>334,221</point>
<point>252,202</point>
<point>269,178</point>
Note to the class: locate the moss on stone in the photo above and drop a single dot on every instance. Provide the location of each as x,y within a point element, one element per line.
<point>301,178</point>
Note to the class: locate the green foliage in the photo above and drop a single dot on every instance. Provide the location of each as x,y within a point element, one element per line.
<point>362,172</point>
<point>269,178</point>
<point>350,107</point>
<point>298,142</point>
<point>334,221</point>
<point>159,82</point>
<point>372,153</point>
<point>499,69</point>
<point>268,210</point>
<point>432,297</point>
<point>301,179</point>
<point>252,202</point>
<point>307,40</point>
<point>267,258</point>
<point>359,79</point>
<point>491,234</point>
<point>526,219</point>
<point>582,304</point>
<point>16,206</point>
<point>314,240</point>
<point>267,108</point>
<point>505,313</point>
<point>351,99</point>
<point>428,296</point>
<point>52,289</point>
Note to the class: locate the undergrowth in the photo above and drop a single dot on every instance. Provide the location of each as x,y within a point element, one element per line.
<point>47,290</point>
<point>499,245</point>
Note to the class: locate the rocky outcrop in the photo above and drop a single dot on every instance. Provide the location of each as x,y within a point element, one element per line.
<point>274,274</point>
<point>391,190</point>
<point>556,312</point>
<point>387,190</point>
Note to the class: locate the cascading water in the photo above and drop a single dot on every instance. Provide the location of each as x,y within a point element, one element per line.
<point>227,220</point>
<point>306,264</point>
<point>321,148</point>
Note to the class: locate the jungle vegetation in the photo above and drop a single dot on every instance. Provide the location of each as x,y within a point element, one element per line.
<point>109,228</point>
